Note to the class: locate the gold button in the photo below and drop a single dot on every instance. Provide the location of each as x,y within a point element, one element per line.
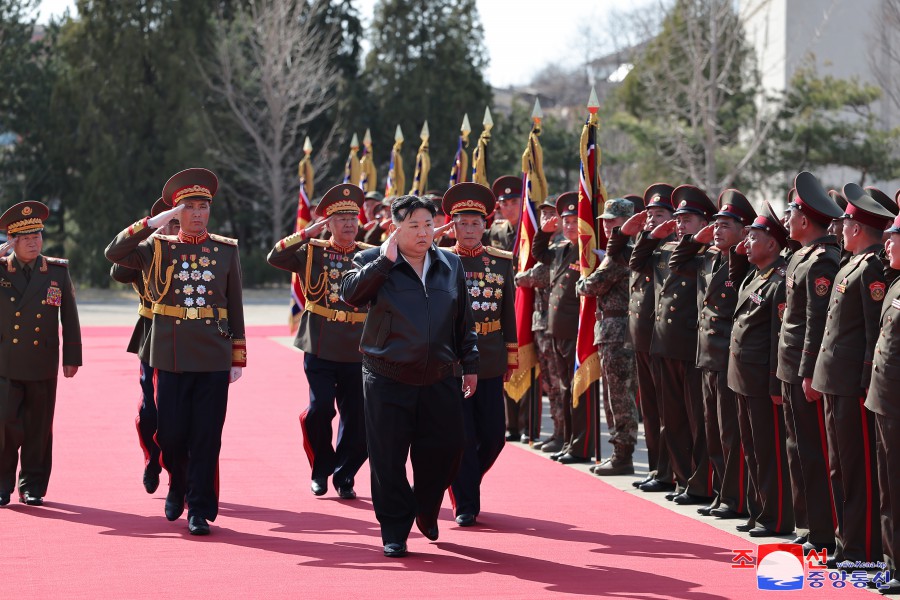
<point>37,328</point>
<point>683,283</point>
<point>12,299</point>
<point>674,295</point>
<point>16,327</point>
<point>178,321</point>
<point>43,302</point>
<point>208,321</point>
<point>15,340</point>
<point>668,320</point>
<point>35,342</point>
<point>18,314</point>
<point>38,315</point>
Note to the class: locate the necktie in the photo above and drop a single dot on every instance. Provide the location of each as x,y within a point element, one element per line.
<point>27,271</point>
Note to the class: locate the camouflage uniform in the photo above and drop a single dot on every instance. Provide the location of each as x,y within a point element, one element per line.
<point>538,277</point>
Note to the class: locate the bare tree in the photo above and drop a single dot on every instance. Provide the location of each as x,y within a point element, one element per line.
<point>884,53</point>
<point>272,65</point>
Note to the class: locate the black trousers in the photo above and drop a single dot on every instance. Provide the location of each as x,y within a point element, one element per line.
<point>887,435</point>
<point>424,423</point>
<point>483,421</point>
<point>649,372</point>
<point>763,439</point>
<point>191,410</point>
<point>26,423</point>
<point>147,419</point>
<point>333,382</point>
<point>854,471</point>
<point>807,455</point>
<point>723,440</point>
<point>682,404</point>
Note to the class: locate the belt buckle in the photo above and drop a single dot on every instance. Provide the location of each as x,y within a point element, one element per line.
<point>340,316</point>
<point>191,313</point>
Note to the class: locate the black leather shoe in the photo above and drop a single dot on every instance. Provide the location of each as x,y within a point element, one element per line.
<point>745,527</point>
<point>524,438</point>
<point>760,531</point>
<point>723,512</point>
<point>174,505</point>
<point>4,499</point>
<point>465,520</point>
<point>151,481</point>
<point>892,588</point>
<point>30,500</point>
<point>513,437</point>
<point>540,443</point>
<point>563,451</point>
<point>571,459</point>
<point>641,482</point>
<point>552,446</point>
<point>811,547</point>
<point>685,499</point>
<point>655,485</point>
<point>198,525</point>
<point>800,539</point>
<point>319,486</point>
<point>395,550</point>
<point>345,492</point>
<point>429,530</point>
<point>671,495</point>
<point>705,510</point>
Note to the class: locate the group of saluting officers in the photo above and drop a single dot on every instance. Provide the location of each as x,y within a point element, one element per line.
<point>761,349</point>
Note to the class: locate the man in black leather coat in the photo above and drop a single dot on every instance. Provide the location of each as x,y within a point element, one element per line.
<point>419,358</point>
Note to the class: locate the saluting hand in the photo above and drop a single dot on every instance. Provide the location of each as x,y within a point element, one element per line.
<point>389,247</point>
<point>443,230</point>
<point>550,225</point>
<point>635,224</point>
<point>163,218</point>
<point>741,247</point>
<point>705,235</point>
<point>369,225</point>
<point>5,248</point>
<point>315,229</point>
<point>664,230</point>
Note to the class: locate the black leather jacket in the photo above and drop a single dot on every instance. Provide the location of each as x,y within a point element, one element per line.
<point>414,333</point>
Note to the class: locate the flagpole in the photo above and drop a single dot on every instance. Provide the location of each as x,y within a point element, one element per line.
<point>536,394</point>
<point>593,108</point>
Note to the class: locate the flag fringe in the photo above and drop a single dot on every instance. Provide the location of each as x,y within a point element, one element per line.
<point>587,373</point>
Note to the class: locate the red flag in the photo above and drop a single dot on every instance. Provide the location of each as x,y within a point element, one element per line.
<point>304,217</point>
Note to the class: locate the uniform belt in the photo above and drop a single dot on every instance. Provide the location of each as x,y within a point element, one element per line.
<point>487,327</point>
<point>193,312</point>
<point>145,311</point>
<point>341,316</point>
<point>612,314</point>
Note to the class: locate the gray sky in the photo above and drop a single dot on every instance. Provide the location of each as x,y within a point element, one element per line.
<point>521,36</point>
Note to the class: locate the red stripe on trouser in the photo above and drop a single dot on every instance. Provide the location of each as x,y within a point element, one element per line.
<point>820,413</point>
<point>162,462</point>
<point>742,497</point>
<point>869,492</point>
<point>310,455</point>
<point>779,466</point>
<point>709,480</point>
<point>452,498</point>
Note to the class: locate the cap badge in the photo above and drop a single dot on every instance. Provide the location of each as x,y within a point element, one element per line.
<point>507,191</point>
<point>683,204</point>
<point>726,208</point>
<point>346,192</point>
<point>26,210</point>
<point>571,207</point>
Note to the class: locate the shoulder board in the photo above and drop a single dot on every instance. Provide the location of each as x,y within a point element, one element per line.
<point>820,250</point>
<point>166,238</point>
<point>498,252</point>
<point>450,249</point>
<point>669,246</point>
<point>60,262</point>
<point>223,240</point>
<point>365,246</point>
<point>319,243</point>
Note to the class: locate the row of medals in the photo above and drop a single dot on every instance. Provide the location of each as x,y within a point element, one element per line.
<point>334,263</point>
<point>194,275</point>
<point>477,284</point>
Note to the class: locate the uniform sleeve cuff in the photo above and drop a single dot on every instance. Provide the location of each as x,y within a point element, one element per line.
<point>512,356</point>
<point>138,226</point>
<point>238,353</point>
<point>470,369</point>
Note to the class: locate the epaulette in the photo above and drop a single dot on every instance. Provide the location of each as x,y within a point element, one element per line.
<point>819,250</point>
<point>669,246</point>
<point>498,252</point>
<point>166,238</point>
<point>223,240</point>
<point>59,262</point>
<point>451,249</point>
<point>319,243</point>
<point>365,246</point>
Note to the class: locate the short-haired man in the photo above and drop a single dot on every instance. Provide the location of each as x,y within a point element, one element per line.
<point>36,295</point>
<point>419,360</point>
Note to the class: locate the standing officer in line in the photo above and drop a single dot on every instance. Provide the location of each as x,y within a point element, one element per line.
<point>562,322</point>
<point>329,335</point>
<point>842,373</point>
<point>147,418</point>
<point>609,283</point>
<point>717,295</point>
<point>810,275</point>
<point>674,342</point>
<point>751,374</point>
<point>489,278</point>
<point>538,278</point>
<point>36,295</point>
<point>641,316</point>
<point>883,400</point>
<point>508,191</point>
<point>197,342</point>
<point>420,359</point>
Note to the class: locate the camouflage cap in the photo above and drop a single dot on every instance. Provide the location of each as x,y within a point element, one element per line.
<point>617,207</point>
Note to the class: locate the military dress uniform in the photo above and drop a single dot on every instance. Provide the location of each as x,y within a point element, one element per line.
<point>810,275</point>
<point>718,276</point>
<point>34,299</point>
<point>674,343</point>
<point>196,338</point>
<point>329,334</point>
<point>642,287</point>
<point>562,326</point>
<point>609,284</point>
<point>842,373</point>
<point>751,374</point>
<point>490,282</point>
<point>883,400</point>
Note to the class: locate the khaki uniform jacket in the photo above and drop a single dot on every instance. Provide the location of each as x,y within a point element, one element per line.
<point>754,337</point>
<point>717,295</point>
<point>492,296</point>
<point>141,334</point>
<point>195,278</point>
<point>808,282</point>
<point>675,323</point>
<point>609,283</point>
<point>562,316</point>
<point>641,295</point>
<point>844,366</point>
<point>501,235</point>
<point>882,397</point>
<point>321,265</point>
<point>30,314</point>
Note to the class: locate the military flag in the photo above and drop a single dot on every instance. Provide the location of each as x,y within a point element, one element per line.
<point>395,180</point>
<point>479,156</point>
<point>459,170</point>
<point>368,180</point>
<point>423,165</point>
<point>304,216</point>
<point>352,171</point>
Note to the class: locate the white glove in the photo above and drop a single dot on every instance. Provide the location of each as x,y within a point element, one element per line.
<point>164,217</point>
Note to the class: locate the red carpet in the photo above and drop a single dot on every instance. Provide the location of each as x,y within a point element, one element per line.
<point>547,532</point>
